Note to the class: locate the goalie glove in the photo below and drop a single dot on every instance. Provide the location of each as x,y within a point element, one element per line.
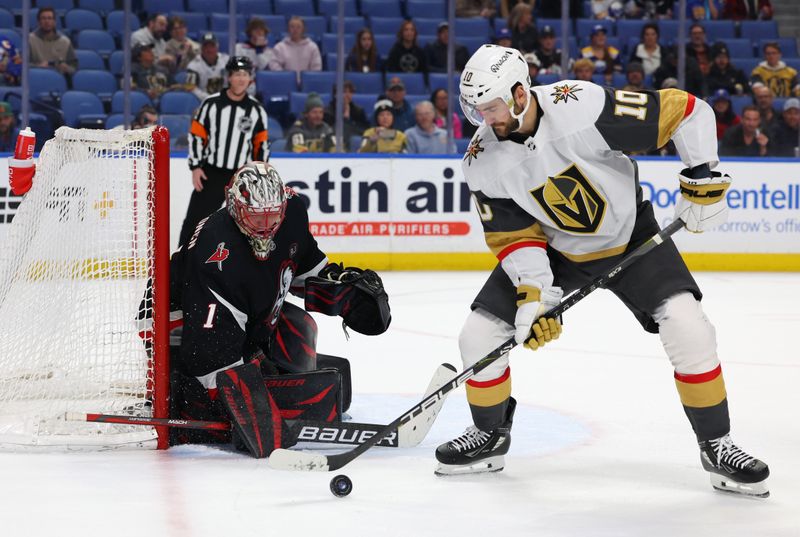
<point>532,330</point>
<point>702,205</point>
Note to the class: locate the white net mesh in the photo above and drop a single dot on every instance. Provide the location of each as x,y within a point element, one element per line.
<point>74,267</point>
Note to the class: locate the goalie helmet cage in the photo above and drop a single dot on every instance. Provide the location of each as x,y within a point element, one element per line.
<point>84,294</point>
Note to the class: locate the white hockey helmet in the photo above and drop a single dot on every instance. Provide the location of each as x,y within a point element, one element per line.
<point>256,200</point>
<point>492,73</point>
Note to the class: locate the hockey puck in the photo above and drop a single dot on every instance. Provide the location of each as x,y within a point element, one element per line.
<point>341,486</point>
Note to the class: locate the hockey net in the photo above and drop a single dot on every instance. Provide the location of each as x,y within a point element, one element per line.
<point>89,241</point>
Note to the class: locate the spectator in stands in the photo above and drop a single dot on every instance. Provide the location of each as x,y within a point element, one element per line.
<point>746,139</point>
<point>406,56</point>
<point>10,63</point>
<point>648,52</point>
<point>649,9</point>
<point>524,36</point>
<point>634,76</point>
<point>549,56</point>
<point>775,74</point>
<point>436,51</point>
<point>180,47</point>
<point>604,56</point>
<point>50,48</point>
<point>533,67</point>
<point>296,52</point>
<point>8,128</point>
<point>698,48</point>
<point>206,74</point>
<point>502,37</point>
<point>383,138</point>
<point>695,83</point>
<point>153,34</point>
<point>724,75</point>
<point>311,134</point>
<point>146,75</point>
<point>583,69</point>
<point>147,116</point>
<point>475,8</point>
<point>507,5</point>
<point>403,114</point>
<point>763,99</point>
<point>699,10</point>
<point>425,138</point>
<point>256,47</point>
<point>354,119</point>
<point>747,9</point>
<point>723,112</point>
<point>607,9</point>
<point>439,99</point>
<point>786,135</point>
<point>364,57</point>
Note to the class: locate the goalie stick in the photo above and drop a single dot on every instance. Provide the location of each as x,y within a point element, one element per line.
<point>286,459</point>
<point>312,431</point>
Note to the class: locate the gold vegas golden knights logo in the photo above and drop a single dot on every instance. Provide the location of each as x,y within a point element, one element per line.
<point>571,201</point>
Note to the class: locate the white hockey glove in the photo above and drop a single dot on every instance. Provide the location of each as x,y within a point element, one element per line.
<point>533,331</point>
<point>702,205</point>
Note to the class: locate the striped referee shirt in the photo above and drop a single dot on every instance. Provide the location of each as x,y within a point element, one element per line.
<point>227,134</point>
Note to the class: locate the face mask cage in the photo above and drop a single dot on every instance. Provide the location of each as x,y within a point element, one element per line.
<point>257,202</point>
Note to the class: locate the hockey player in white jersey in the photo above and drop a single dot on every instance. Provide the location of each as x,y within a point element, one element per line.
<point>560,202</point>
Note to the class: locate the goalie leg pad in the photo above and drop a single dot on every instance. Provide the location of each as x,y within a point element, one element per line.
<point>293,348</point>
<point>342,365</point>
<point>254,415</point>
<point>315,395</point>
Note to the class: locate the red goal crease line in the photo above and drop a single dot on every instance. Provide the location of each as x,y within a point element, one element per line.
<point>390,228</point>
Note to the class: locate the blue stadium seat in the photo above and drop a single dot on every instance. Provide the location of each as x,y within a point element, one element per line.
<point>630,28</point>
<point>274,128</point>
<point>277,145</point>
<point>89,59</point>
<point>46,84</point>
<point>739,47</point>
<point>195,22</point>
<point>303,8</point>
<point>416,98</point>
<point>81,107</point>
<point>427,26</point>
<point>788,46</point>
<point>116,62</point>
<point>381,8</point>
<point>618,80</point>
<point>98,40</point>
<point>315,26</point>
<point>82,19</point>
<point>102,7</point>
<point>254,7</point>
<point>439,80</point>
<point>746,64</point>
<point>165,6</point>
<point>331,8</point>
<point>13,36</point>
<point>138,100</point>
<point>414,82</point>
<point>178,127</point>
<point>367,102</point>
<point>329,61</point>
<point>548,78</point>
<point>424,39</point>
<point>472,43</point>
<point>297,101</point>
<point>426,8</point>
<point>61,6</point>
<point>719,30</point>
<point>115,22</point>
<point>384,43</point>
<point>207,6</point>
<point>366,82</point>
<point>740,101</point>
<point>668,30</point>
<point>319,81</point>
<point>794,63</point>
<point>218,22</point>
<point>6,18</point>
<point>352,25</point>
<point>178,102</point>
<point>276,84</point>
<point>114,120</point>
<point>385,25</point>
<point>583,27</point>
<point>476,27</point>
<point>276,25</point>
<point>329,42</point>
<point>100,82</point>
<point>756,30</point>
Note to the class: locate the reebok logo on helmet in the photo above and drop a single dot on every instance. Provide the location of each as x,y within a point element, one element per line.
<point>496,66</point>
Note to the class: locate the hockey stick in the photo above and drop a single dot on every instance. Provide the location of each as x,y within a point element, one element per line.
<point>286,459</point>
<point>313,431</point>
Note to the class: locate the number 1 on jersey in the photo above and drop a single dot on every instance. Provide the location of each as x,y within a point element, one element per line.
<point>212,310</point>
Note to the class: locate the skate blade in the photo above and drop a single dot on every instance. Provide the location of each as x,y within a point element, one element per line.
<point>754,490</point>
<point>491,464</point>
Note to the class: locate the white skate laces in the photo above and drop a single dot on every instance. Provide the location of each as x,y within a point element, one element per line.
<point>726,450</point>
<point>472,438</point>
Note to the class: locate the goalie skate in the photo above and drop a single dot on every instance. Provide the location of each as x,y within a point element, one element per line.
<point>733,470</point>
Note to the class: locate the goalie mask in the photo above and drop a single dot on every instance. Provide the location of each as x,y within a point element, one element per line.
<point>488,82</point>
<point>256,200</point>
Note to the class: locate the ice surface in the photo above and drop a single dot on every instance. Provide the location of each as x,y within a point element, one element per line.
<point>600,443</point>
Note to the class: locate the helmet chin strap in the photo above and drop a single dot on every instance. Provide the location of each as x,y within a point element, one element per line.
<point>519,117</point>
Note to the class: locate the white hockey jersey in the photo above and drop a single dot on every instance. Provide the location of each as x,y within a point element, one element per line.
<point>569,185</point>
<point>207,79</point>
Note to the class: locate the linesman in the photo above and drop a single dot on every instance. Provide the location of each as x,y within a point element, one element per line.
<point>228,130</point>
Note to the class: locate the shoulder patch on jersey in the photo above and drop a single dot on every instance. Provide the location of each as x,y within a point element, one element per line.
<point>565,93</point>
<point>220,255</point>
<point>473,150</point>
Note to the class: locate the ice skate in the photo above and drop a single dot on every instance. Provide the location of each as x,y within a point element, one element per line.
<point>733,470</point>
